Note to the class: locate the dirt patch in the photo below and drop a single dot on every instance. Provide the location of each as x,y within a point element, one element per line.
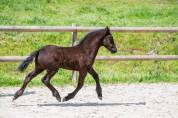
<point>125,101</point>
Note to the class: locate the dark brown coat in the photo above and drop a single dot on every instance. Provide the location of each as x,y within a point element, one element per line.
<point>80,58</point>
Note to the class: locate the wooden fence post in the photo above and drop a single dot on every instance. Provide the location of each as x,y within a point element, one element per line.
<point>74,42</point>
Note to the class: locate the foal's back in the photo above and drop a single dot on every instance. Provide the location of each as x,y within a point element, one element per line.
<point>54,57</point>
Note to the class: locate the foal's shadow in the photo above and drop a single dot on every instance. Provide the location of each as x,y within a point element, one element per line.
<point>12,94</point>
<point>91,104</point>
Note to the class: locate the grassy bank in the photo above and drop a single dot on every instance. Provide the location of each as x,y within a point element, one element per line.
<point>93,13</point>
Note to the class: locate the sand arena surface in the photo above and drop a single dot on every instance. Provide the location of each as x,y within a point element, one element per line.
<point>119,101</point>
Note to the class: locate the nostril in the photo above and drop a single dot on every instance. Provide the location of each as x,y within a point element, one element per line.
<point>114,49</point>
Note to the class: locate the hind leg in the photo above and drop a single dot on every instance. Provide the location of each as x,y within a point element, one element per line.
<point>46,80</point>
<point>28,78</point>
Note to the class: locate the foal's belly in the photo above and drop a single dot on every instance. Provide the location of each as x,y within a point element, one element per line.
<point>55,63</point>
<point>70,65</point>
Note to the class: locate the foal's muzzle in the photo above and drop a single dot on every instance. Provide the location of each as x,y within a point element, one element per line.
<point>113,50</point>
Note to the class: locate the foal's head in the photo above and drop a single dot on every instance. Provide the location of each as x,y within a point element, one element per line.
<point>108,41</point>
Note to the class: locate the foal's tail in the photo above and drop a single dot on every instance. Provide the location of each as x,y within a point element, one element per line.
<point>27,61</point>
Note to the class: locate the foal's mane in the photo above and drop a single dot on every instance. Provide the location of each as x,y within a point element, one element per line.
<point>88,36</point>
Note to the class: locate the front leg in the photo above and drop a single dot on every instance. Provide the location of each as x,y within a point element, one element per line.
<point>82,75</point>
<point>96,78</point>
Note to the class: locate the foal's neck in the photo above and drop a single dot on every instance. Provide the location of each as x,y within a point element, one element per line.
<point>91,45</point>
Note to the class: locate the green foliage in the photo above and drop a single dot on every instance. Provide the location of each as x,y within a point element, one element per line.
<point>93,13</point>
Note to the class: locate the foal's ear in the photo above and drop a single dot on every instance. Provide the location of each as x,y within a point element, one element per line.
<point>107,29</point>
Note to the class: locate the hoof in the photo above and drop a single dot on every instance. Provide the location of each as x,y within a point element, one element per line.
<point>14,98</point>
<point>17,94</point>
<point>99,97</point>
<point>64,99</point>
<point>68,97</point>
<point>58,99</point>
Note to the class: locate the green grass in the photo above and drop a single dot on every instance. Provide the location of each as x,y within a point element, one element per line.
<point>93,13</point>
